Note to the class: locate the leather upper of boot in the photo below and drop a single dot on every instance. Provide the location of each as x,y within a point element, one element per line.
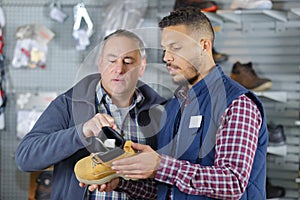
<point>246,76</point>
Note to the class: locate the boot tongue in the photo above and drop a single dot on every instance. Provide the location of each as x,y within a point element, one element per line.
<point>128,148</point>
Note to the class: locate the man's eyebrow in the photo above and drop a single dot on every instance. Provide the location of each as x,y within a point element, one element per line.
<point>112,55</point>
<point>115,56</point>
<point>170,44</point>
<point>131,57</point>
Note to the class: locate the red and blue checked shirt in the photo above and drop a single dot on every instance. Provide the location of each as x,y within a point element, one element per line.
<point>236,143</point>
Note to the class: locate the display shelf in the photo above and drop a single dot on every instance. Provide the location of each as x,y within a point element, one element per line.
<point>214,17</point>
<point>277,150</point>
<point>238,16</point>
<point>274,95</point>
<point>296,11</point>
<point>281,17</point>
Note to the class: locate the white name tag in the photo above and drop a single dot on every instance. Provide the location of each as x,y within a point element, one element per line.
<point>195,121</point>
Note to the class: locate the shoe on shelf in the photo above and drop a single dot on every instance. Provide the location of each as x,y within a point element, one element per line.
<point>247,77</point>
<point>205,6</point>
<point>274,191</point>
<point>251,4</point>
<point>219,57</point>
<point>96,168</point>
<point>276,135</point>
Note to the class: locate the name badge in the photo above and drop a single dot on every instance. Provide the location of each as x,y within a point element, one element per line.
<point>195,121</point>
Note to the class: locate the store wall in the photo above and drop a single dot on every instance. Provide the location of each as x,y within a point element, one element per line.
<point>272,46</point>
<point>63,69</point>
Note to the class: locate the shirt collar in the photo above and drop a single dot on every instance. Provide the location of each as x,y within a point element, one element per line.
<point>181,92</point>
<point>103,97</point>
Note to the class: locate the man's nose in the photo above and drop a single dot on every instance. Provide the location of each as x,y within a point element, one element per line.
<point>168,56</point>
<point>119,66</point>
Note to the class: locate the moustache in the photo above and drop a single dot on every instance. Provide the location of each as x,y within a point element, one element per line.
<point>169,65</point>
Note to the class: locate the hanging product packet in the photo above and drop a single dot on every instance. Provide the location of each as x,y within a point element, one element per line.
<point>31,46</point>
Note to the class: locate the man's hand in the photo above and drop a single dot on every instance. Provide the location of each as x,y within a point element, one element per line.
<point>93,126</point>
<point>141,166</point>
<point>107,187</point>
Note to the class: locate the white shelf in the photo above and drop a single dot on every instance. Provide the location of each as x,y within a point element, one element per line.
<point>277,150</point>
<point>296,11</point>
<point>239,16</point>
<point>281,17</point>
<point>214,17</point>
<point>274,95</point>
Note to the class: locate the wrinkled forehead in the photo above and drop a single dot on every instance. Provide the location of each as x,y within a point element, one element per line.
<point>120,46</point>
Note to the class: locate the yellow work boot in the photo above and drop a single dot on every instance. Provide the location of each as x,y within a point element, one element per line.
<point>96,168</point>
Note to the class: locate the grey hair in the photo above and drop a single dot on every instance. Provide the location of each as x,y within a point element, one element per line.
<point>128,34</point>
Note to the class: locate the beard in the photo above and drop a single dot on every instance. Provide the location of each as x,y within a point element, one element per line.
<point>184,81</point>
<point>189,81</point>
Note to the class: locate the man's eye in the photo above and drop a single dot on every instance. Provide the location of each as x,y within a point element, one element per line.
<point>112,61</point>
<point>128,61</point>
<point>176,48</point>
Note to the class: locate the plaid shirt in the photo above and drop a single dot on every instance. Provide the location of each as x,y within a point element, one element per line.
<point>126,125</point>
<point>236,143</point>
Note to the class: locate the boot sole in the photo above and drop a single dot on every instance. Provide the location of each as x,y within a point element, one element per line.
<point>102,180</point>
<point>263,87</point>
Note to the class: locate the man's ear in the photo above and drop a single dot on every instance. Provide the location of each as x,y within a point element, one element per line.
<point>207,45</point>
<point>142,67</point>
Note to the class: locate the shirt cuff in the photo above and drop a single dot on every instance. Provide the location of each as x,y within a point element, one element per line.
<point>167,170</point>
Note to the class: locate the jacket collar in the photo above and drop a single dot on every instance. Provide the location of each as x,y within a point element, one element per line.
<point>84,91</point>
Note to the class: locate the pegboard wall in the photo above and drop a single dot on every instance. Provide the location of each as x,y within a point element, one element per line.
<point>62,65</point>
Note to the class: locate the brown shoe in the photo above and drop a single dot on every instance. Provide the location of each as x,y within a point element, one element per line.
<point>246,76</point>
<point>219,57</point>
<point>95,169</point>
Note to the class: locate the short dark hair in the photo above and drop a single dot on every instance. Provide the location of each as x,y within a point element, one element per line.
<point>128,34</point>
<point>193,18</point>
